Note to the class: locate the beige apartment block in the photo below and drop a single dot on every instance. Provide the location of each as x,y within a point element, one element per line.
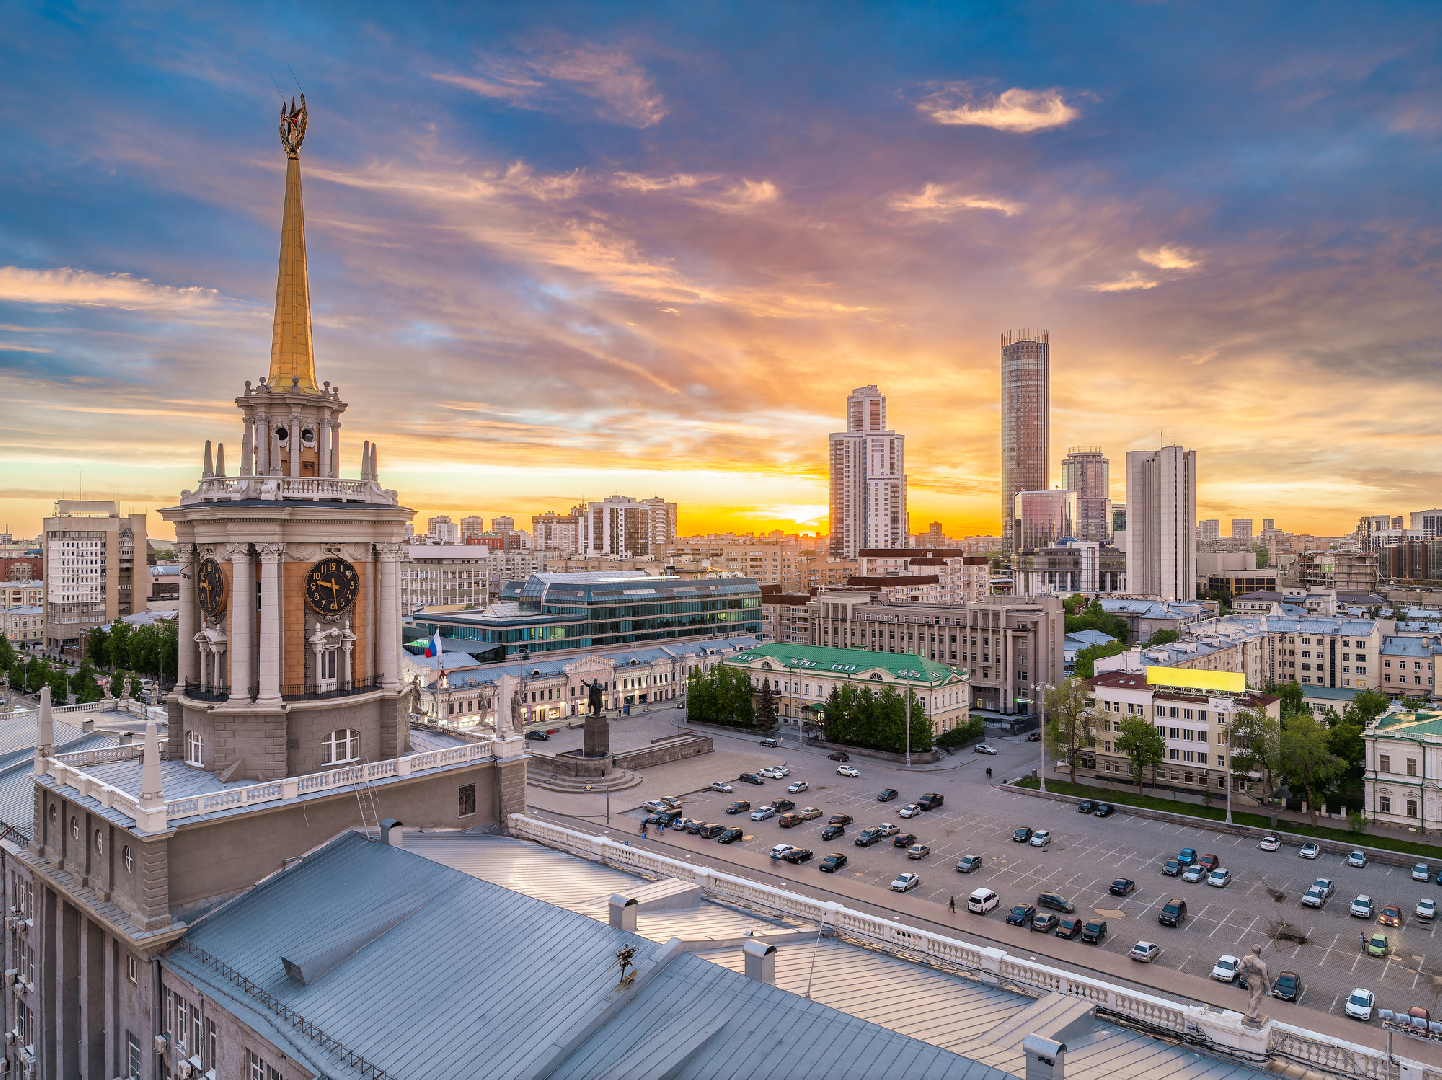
<point>95,570</point>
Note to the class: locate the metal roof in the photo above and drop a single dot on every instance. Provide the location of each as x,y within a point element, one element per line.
<point>818,659</point>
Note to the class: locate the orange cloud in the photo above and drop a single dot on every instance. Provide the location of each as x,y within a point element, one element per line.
<point>939,200</point>
<point>1016,109</point>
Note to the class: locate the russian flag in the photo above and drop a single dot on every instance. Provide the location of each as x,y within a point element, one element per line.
<point>433,647</point>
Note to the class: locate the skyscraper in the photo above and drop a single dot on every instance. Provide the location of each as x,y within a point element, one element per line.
<point>868,478</point>
<point>1025,420</point>
<point>1088,473</point>
<point>1043,518</point>
<point>1161,507</point>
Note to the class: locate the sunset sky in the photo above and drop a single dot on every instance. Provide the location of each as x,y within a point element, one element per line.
<point>560,251</point>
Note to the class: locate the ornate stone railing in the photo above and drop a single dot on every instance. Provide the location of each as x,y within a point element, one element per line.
<point>1220,1033</point>
<point>276,488</point>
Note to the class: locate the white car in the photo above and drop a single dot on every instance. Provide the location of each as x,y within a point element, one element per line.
<point>1219,878</point>
<point>771,773</point>
<point>722,786</point>
<point>798,787</point>
<point>981,901</point>
<point>1227,969</point>
<point>1420,872</point>
<point>982,748</point>
<point>1362,907</point>
<point>905,882</point>
<point>780,772</point>
<point>1426,909</point>
<point>847,770</point>
<point>1193,873</point>
<point>910,810</point>
<point>1309,850</point>
<point>1359,1004</point>
<point>781,849</point>
<point>1144,952</point>
<point>761,813</point>
<point>1270,843</point>
<point>1041,838</point>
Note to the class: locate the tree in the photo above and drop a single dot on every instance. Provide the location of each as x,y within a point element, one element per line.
<point>1365,707</point>
<point>59,686</point>
<point>766,706</point>
<point>7,653</point>
<point>134,688</point>
<point>96,647</point>
<point>83,684</point>
<point>1307,758</point>
<point>1291,695</point>
<point>1094,618</point>
<point>117,645</point>
<point>1163,637</point>
<point>1264,557</point>
<point>1071,722</point>
<point>1144,745</point>
<point>1256,747</point>
<point>117,684</point>
<point>1085,663</point>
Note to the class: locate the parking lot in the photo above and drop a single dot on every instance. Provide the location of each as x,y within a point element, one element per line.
<point>1084,857</point>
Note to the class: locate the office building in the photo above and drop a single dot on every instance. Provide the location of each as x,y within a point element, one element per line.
<point>1043,519</point>
<point>1025,421</point>
<point>1427,523</point>
<point>1119,527</point>
<point>868,479</point>
<point>1242,529</point>
<point>625,528</point>
<point>1161,509</point>
<point>1086,471</point>
<point>94,570</point>
<point>442,530</point>
<point>1211,529</point>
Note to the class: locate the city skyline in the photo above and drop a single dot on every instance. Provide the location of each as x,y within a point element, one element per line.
<point>523,225</point>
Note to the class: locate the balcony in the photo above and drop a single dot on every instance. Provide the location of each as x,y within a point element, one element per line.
<point>195,692</point>
<point>301,692</point>
<point>283,488</point>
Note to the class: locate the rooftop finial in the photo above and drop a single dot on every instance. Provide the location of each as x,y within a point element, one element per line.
<point>292,126</point>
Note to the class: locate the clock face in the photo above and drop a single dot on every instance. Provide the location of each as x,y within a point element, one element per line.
<point>331,587</point>
<point>210,588</point>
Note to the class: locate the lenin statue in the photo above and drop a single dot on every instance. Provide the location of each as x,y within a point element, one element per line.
<point>598,729</point>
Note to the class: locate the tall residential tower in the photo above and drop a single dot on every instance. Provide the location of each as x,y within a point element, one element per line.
<point>1025,421</point>
<point>1161,509</point>
<point>1086,471</point>
<point>868,479</point>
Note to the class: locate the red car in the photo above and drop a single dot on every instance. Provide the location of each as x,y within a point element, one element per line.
<point>1209,863</point>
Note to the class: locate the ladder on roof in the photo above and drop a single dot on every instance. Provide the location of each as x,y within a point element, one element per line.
<point>365,798</point>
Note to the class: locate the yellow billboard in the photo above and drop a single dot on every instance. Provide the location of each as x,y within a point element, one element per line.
<point>1230,682</point>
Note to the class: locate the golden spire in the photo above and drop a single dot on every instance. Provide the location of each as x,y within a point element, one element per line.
<point>291,353</point>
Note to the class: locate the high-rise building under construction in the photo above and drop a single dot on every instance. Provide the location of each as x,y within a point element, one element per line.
<point>1025,421</point>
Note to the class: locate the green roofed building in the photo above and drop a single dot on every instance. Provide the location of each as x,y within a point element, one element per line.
<point>1404,768</point>
<point>803,676</point>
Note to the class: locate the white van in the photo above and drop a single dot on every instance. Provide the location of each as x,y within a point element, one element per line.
<point>982,901</point>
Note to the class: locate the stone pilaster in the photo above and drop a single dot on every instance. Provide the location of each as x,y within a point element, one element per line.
<point>186,661</point>
<point>269,665</point>
<point>242,612</point>
<point>389,628</point>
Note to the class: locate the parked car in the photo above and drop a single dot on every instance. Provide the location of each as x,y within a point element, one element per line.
<point>983,748</point>
<point>730,836</point>
<point>761,813</point>
<point>1219,878</point>
<point>831,832</point>
<point>797,787</point>
<point>1055,902</point>
<point>1270,843</point>
<point>1069,928</point>
<point>1173,912</point>
<point>1360,1003</point>
<point>750,778</point>
<point>1357,859</point>
<point>1187,856</point>
<point>1021,914</point>
<point>1022,835</point>
<point>789,821</point>
<point>1041,838</point>
<point>1104,809</point>
<point>1377,944</point>
<point>904,839</point>
<point>797,856</point>
<point>886,794</point>
<point>1426,909</point>
<point>710,830</point>
<point>1193,873</point>
<point>768,742</point>
<point>1391,916</point>
<point>832,863</point>
<point>694,826</point>
<point>969,863</point>
<point>781,849</point>
<point>1314,897</point>
<point>910,810</point>
<point>1144,952</point>
<point>808,813</point>
<point>867,837</point>
<point>840,819</point>
<point>1362,907</point>
<point>721,786</point>
<point>1035,736</point>
<point>905,882</point>
<point>1421,872</point>
<point>783,805</point>
<point>918,851</point>
<point>1086,806</point>
<point>1044,923</point>
<point>1227,968</point>
<point>888,829</point>
<point>665,802</point>
<point>847,770</point>
<point>1288,986</point>
<point>1309,850</point>
<point>981,901</point>
<point>839,755</point>
<point>538,736</point>
<point>738,807</point>
<point>930,801</point>
<point>1172,868</point>
<point>685,824</point>
<point>1094,932</point>
<point>770,773</point>
<point>1209,862</point>
<point>1123,886</point>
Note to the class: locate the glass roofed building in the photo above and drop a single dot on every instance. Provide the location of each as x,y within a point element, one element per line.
<point>550,612</point>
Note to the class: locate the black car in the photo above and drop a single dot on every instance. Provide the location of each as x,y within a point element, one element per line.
<point>1123,886</point>
<point>905,839</point>
<point>1086,806</point>
<point>1069,928</point>
<point>840,819</point>
<point>887,794</point>
<point>730,836</point>
<point>840,755</point>
<point>1094,931</point>
<point>1288,986</point>
<point>930,801</point>
<point>664,817</point>
<point>1104,809</point>
<point>538,736</point>
<point>783,805</point>
<point>1055,902</point>
<point>1173,912</point>
<point>867,837</point>
<point>1044,924</point>
<point>750,778</point>
<point>710,831</point>
<point>1035,736</point>
<point>968,864</point>
<point>695,826</point>
<point>1021,914</point>
<point>798,855</point>
<point>1022,835</point>
<point>831,832</point>
<point>738,807</point>
<point>832,863</point>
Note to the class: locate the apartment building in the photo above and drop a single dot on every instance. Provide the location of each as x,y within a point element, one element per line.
<point>444,575</point>
<point>23,625</point>
<point>1409,665</point>
<point>15,594</point>
<point>625,527</point>
<point>557,532</point>
<point>785,617</point>
<point>93,574</point>
<point>959,577</point>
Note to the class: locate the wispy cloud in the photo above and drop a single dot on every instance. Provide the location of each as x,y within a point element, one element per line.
<point>1170,257</point>
<point>628,181</point>
<point>938,200</point>
<point>1011,110</point>
<point>622,88</point>
<point>1134,280</point>
<point>64,285</point>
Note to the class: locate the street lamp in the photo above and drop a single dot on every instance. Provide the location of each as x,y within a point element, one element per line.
<point>1043,687</point>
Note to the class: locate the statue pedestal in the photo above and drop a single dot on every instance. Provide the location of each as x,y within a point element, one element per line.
<point>1260,1021</point>
<point>597,737</point>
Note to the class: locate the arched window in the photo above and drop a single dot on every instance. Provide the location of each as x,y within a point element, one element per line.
<point>194,748</point>
<point>75,828</point>
<point>340,746</point>
<point>129,859</point>
<point>99,845</point>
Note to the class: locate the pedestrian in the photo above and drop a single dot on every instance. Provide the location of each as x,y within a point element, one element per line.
<point>1363,936</point>
<point>952,905</point>
<point>663,828</point>
<point>643,830</point>
<point>988,774</point>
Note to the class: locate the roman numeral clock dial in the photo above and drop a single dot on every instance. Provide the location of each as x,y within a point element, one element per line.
<point>331,587</point>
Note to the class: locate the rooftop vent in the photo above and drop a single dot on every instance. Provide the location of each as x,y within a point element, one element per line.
<point>308,971</point>
<point>623,912</point>
<point>760,961</point>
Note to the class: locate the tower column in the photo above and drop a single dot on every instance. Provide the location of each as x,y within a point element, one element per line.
<point>322,447</point>
<point>186,661</point>
<point>294,444</point>
<point>389,628</point>
<point>269,665</point>
<point>262,445</point>
<point>272,440</point>
<point>242,605</point>
<point>335,448</point>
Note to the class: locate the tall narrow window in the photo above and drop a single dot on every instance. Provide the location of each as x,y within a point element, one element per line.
<point>194,749</point>
<point>467,800</point>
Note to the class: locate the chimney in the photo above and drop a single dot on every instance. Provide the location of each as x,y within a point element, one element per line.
<point>150,793</point>
<point>760,961</point>
<point>1045,1058</point>
<point>623,912</point>
<point>386,826</point>
<point>45,735</point>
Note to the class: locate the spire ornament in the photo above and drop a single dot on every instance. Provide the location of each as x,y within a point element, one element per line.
<point>292,127</point>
